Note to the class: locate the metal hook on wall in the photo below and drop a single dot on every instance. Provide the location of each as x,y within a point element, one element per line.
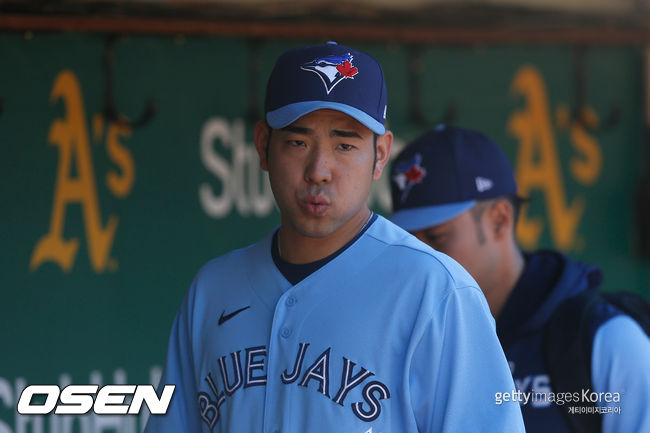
<point>580,112</point>
<point>414,86</point>
<point>642,208</point>
<point>449,116</point>
<point>110,112</point>
<point>254,112</point>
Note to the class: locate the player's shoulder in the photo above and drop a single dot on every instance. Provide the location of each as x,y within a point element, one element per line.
<point>230,258</point>
<point>230,267</point>
<point>414,256</point>
<point>409,268</point>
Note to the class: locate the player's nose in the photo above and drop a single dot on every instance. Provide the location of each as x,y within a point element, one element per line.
<point>319,166</point>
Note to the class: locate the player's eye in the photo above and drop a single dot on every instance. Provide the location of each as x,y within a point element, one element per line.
<point>296,143</point>
<point>345,147</point>
<point>438,241</point>
<point>435,240</point>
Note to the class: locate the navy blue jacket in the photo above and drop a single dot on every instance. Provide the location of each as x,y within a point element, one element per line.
<point>548,279</point>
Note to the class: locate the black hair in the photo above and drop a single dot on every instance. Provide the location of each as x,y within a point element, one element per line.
<point>516,202</point>
<point>478,209</point>
<point>374,148</point>
<point>268,144</point>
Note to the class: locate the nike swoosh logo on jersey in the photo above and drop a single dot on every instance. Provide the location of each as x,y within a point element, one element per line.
<point>225,317</point>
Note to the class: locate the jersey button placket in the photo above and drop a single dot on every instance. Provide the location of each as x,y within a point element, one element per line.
<point>283,330</point>
<point>291,301</point>
<point>275,349</point>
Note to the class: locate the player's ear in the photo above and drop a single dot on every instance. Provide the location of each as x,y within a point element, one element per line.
<point>261,135</point>
<point>384,144</point>
<point>501,218</point>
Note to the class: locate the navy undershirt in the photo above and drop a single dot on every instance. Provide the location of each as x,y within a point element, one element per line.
<point>537,281</point>
<point>296,273</point>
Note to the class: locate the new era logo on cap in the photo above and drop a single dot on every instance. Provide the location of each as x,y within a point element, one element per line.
<point>483,184</point>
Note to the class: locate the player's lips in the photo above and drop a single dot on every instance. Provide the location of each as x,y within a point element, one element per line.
<point>315,205</point>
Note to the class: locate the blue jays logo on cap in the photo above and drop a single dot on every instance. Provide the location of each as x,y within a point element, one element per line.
<point>332,69</point>
<point>409,173</point>
<point>294,91</point>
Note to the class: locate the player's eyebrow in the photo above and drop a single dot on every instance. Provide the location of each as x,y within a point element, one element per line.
<point>344,134</point>
<point>308,131</point>
<point>298,130</point>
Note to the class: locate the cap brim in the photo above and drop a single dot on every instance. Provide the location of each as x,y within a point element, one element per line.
<point>290,113</point>
<point>428,216</point>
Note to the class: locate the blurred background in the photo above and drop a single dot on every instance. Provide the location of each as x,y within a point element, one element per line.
<point>126,156</point>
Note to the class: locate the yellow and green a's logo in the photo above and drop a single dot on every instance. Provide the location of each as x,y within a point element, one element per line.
<point>76,181</point>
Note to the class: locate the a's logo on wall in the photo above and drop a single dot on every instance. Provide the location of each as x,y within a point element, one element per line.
<point>538,165</point>
<point>75,182</point>
<point>332,69</point>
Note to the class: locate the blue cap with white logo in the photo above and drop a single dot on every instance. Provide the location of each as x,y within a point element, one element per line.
<point>443,173</point>
<point>329,76</point>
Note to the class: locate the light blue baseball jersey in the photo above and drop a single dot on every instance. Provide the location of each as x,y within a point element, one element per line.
<point>388,337</point>
<point>620,364</point>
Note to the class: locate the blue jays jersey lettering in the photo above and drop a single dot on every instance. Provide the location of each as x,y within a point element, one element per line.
<point>246,368</point>
<point>332,69</point>
<point>389,336</point>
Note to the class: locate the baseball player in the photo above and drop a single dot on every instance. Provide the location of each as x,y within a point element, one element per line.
<point>339,321</point>
<point>455,190</point>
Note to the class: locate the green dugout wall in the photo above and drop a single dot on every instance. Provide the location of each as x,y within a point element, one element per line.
<point>104,225</point>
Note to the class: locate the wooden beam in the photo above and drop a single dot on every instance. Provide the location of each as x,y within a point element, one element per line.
<point>320,30</point>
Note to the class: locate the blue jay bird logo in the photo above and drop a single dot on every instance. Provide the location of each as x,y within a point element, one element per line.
<point>332,69</point>
<point>409,173</point>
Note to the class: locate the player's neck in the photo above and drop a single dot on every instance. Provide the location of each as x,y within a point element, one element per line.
<point>297,248</point>
<point>510,269</point>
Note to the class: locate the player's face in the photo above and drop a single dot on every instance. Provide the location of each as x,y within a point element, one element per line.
<point>321,168</point>
<point>460,239</point>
